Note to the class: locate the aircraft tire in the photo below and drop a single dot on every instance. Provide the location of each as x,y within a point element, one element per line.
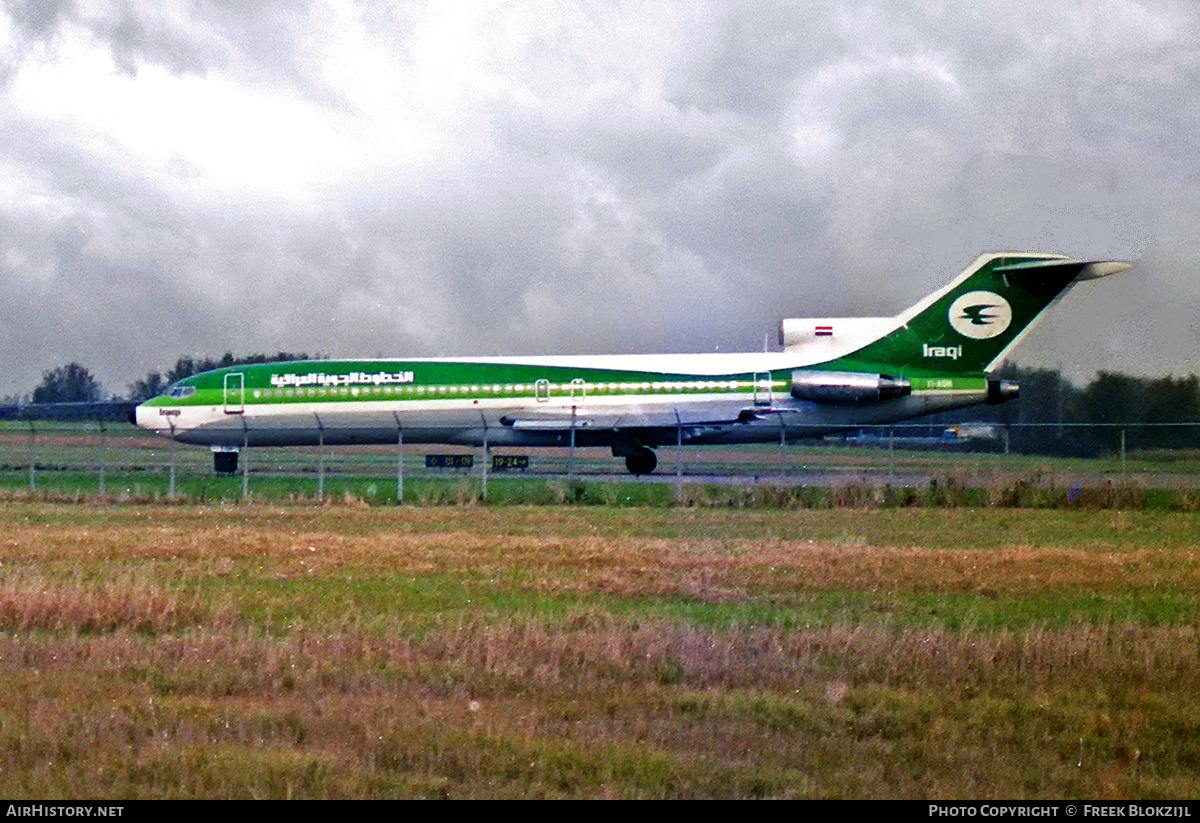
<point>643,461</point>
<point>225,462</point>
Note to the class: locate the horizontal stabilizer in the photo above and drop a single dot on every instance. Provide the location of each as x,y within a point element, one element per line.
<point>1087,270</point>
<point>1103,268</point>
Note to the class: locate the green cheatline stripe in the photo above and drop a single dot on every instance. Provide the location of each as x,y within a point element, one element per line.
<point>332,381</point>
<point>339,381</point>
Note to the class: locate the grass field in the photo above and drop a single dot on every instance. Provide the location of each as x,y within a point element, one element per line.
<point>288,650</point>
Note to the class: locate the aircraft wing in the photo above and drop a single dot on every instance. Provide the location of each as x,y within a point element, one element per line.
<point>562,420</point>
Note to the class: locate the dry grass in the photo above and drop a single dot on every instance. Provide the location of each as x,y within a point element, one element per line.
<point>345,652</point>
<point>34,601</point>
<point>601,709</point>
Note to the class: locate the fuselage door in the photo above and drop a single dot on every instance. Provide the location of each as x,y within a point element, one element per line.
<point>762,389</point>
<point>235,393</point>
<point>541,390</point>
<point>577,391</point>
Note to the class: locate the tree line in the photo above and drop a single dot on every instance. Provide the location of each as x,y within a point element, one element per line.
<point>74,383</point>
<point>1062,414</point>
<point>1054,416</point>
<point>154,383</point>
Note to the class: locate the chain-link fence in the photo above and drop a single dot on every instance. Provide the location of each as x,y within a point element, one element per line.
<point>117,460</point>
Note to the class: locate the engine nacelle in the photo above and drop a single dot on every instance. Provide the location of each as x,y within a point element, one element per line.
<point>842,388</point>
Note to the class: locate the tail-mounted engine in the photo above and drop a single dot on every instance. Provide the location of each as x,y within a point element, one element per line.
<point>1001,391</point>
<point>844,388</point>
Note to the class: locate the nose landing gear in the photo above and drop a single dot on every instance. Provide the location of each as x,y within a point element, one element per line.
<point>225,461</point>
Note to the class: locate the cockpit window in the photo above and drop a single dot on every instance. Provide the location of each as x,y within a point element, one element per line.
<point>179,391</point>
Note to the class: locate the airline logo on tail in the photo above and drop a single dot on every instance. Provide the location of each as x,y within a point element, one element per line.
<point>980,315</point>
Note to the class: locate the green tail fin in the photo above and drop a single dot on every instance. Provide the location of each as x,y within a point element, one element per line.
<point>969,326</point>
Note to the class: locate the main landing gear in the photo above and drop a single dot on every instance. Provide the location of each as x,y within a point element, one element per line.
<point>642,461</point>
<point>225,461</point>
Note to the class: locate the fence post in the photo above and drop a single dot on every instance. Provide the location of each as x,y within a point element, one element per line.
<point>32,456</point>
<point>399,460</point>
<point>320,459</point>
<point>571,455</point>
<point>891,456</point>
<point>103,454</point>
<point>245,462</point>
<point>171,473</point>
<point>678,450</point>
<point>1123,479</point>
<point>782,447</point>
<point>484,468</point>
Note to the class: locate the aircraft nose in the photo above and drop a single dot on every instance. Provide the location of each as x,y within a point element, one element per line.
<point>142,417</point>
<point>132,415</point>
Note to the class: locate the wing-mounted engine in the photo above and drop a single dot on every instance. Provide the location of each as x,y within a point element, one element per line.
<point>845,388</point>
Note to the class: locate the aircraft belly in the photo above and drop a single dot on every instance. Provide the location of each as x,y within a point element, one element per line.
<point>822,419</point>
<point>312,424</point>
<point>653,423</point>
<point>795,420</point>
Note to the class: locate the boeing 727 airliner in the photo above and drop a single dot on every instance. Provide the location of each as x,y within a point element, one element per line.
<point>832,375</point>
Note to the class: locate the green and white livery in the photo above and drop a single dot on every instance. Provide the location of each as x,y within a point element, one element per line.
<point>833,374</point>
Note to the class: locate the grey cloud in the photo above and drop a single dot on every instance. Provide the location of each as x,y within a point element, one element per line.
<point>39,19</point>
<point>140,34</point>
<point>621,178</point>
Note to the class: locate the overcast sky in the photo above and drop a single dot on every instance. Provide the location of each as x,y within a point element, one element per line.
<point>454,177</point>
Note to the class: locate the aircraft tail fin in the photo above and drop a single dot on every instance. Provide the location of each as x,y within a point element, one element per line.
<point>969,326</point>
